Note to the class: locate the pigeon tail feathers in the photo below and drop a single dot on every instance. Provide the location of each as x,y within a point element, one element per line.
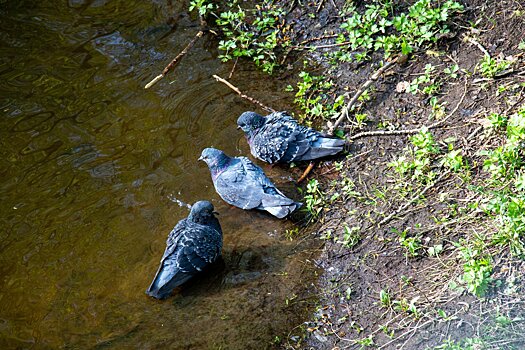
<point>164,283</point>
<point>282,211</point>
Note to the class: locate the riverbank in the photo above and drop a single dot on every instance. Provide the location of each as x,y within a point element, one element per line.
<point>423,221</point>
<point>423,230</point>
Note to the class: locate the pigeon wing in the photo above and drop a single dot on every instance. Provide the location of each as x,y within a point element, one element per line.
<point>281,139</point>
<point>269,195</point>
<point>271,141</point>
<point>239,184</point>
<point>188,251</point>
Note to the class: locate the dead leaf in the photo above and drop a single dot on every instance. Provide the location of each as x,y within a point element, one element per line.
<point>402,86</point>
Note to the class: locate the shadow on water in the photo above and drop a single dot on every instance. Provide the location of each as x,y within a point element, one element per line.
<point>89,162</point>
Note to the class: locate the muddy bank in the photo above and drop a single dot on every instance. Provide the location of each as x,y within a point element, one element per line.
<point>390,248</point>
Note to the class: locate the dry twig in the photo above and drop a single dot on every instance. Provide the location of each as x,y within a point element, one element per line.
<point>175,61</point>
<point>411,131</point>
<point>412,200</point>
<point>306,172</point>
<point>319,6</point>
<point>320,46</point>
<point>233,68</point>
<point>350,104</point>
<point>479,46</point>
<point>246,97</point>
<point>322,37</point>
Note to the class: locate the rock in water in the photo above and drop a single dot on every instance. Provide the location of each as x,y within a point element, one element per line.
<point>243,184</point>
<point>194,243</point>
<point>277,138</point>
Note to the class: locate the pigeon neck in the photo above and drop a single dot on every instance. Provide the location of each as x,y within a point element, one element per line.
<point>219,165</point>
<point>255,130</point>
<point>213,222</point>
<point>200,219</point>
<point>251,134</point>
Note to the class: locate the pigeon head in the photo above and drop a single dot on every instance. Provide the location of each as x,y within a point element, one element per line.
<point>216,159</point>
<point>201,212</point>
<point>250,121</point>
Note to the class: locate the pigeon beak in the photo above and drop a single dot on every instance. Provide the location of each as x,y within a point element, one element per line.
<point>238,127</point>
<point>214,212</point>
<point>200,158</point>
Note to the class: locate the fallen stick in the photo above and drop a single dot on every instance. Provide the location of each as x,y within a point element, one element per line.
<point>319,6</point>
<point>320,46</point>
<point>233,68</point>
<point>246,97</point>
<point>410,131</point>
<point>480,47</point>
<point>322,37</point>
<point>412,200</point>
<point>306,172</point>
<point>175,61</point>
<point>350,104</point>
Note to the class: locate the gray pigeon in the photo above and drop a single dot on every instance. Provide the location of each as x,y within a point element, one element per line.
<point>194,243</point>
<point>243,184</point>
<point>277,138</point>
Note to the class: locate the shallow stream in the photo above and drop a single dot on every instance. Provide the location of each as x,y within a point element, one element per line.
<point>90,163</point>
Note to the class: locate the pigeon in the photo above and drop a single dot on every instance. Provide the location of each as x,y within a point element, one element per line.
<point>277,138</point>
<point>194,243</point>
<point>243,184</point>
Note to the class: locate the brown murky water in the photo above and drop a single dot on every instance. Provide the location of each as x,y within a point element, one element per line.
<point>89,162</point>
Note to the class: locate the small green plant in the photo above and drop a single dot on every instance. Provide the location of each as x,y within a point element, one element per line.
<point>438,109</point>
<point>312,97</point>
<point>426,84</point>
<point>360,119</point>
<point>387,331</point>
<point>384,297</point>
<point>351,236</point>
<point>490,67</point>
<point>290,234</point>
<point>435,250</point>
<point>412,245</point>
<point>453,160</point>
<point>203,6</point>
<point>368,341</point>
<point>314,199</point>
<point>502,198</point>
<point>327,235</point>
<point>503,321</point>
<point>477,268</point>
<point>348,187</point>
<point>504,193</point>
<point>377,29</point>
<point>405,306</point>
<point>497,121</point>
<point>253,34</point>
<point>417,159</point>
<point>424,143</point>
<point>452,71</point>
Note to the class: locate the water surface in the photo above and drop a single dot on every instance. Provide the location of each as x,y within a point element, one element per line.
<point>89,162</point>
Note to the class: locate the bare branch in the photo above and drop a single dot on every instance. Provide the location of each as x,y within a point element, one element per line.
<point>350,104</point>
<point>175,61</point>
<point>411,131</point>
<point>246,97</point>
